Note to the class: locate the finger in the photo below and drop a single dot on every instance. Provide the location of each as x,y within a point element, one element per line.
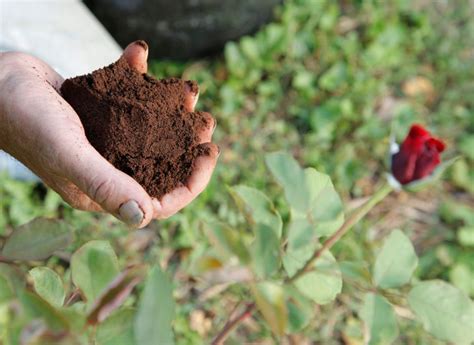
<point>192,96</point>
<point>203,169</point>
<point>115,191</point>
<point>136,54</point>
<point>206,132</point>
<point>172,202</point>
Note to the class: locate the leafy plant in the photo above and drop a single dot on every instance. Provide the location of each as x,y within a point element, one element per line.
<point>96,302</point>
<point>325,81</point>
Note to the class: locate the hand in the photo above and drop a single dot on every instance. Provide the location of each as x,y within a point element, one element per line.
<point>39,128</point>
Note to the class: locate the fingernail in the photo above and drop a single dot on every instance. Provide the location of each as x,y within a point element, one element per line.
<point>218,151</point>
<point>131,213</point>
<point>142,44</point>
<point>215,125</point>
<point>192,87</point>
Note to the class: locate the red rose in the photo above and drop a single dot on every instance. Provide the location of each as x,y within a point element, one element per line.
<point>418,155</point>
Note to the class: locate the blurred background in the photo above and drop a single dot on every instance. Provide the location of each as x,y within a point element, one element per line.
<point>324,80</point>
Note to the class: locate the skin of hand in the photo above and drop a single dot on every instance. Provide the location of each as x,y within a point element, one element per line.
<point>40,129</point>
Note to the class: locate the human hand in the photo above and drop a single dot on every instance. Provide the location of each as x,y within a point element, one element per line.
<point>39,128</point>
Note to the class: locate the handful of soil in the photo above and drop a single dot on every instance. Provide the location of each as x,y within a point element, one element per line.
<point>139,124</point>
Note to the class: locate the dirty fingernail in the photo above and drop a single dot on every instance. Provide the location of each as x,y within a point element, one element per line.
<point>131,213</point>
<point>192,87</point>
<point>142,44</point>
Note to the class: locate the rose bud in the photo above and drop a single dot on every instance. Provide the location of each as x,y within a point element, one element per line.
<point>418,156</point>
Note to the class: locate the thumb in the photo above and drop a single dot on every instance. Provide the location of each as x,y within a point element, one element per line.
<point>115,191</point>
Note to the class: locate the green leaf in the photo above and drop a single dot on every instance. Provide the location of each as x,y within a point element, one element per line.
<point>93,267</point>
<point>396,261</point>
<point>74,314</point>
<point>466,236</point>
<point>294,259</point>
<point>462,276</point>
<point>300,233</point>
<point>316,208</point>
<point>259,207</point>
<point>117,329</point>
<point>156,310</point>
<point>355,270</point>
<point>334,77</point>
<point>115,294</point>
<point>36,307</point>
<point>300,309</point>
<point>265,251</point>
<point>291,177</point>
<point>326,209</point>
<point>323,283</point>
<point>37,240</point>
<point>270,300</point>
<point>380,320</point>
<point>13,275</point>
<point>229,240</point>
<point>6,292</point>
<point>48,285</point>
<point>324,215</point>
<point>437,174</point>
<point>445,311</point>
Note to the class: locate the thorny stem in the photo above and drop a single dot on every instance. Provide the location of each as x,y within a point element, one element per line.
<point>231,324</point>
<point>354,218</point>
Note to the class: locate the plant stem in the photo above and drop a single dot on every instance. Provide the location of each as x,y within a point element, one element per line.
<point>354,218</point>
<point>231,324</point>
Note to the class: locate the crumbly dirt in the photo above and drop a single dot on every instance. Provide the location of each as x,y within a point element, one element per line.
<point>140,124</point>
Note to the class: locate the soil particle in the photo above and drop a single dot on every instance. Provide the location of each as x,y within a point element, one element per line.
<point>140,124</point>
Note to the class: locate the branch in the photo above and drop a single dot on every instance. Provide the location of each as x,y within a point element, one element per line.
<point>231,324</point>
<point>356,216</point>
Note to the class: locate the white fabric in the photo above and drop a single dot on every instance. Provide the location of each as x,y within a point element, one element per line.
<point>61,32</point>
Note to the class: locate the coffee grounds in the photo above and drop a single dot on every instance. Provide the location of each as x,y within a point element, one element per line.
<point>139,124</point>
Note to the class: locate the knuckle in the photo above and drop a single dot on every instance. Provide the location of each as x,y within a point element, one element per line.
<point>102,190</point>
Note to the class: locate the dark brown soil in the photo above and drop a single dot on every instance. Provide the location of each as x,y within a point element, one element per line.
<point>139,124</point>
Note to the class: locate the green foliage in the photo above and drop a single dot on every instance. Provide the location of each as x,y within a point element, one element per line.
<point>258,207</point>
<point>37,240</point>
<point>48,285</point>
<point>445,311</point>
<point>396,261</point>
<point>114,295</point>
<point>155,312</point>
<point>325,81</point>
<point>300,310</point>
<point>316,208</point>
<point>36,307</point>
<point>117,329</point>
<point>292,178</point>
<point>323,283</point>
<point>265,251</point>
<point>380,319</point>
<point>228,240</point>
<point>270,300</point>
<point>93,267</point>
